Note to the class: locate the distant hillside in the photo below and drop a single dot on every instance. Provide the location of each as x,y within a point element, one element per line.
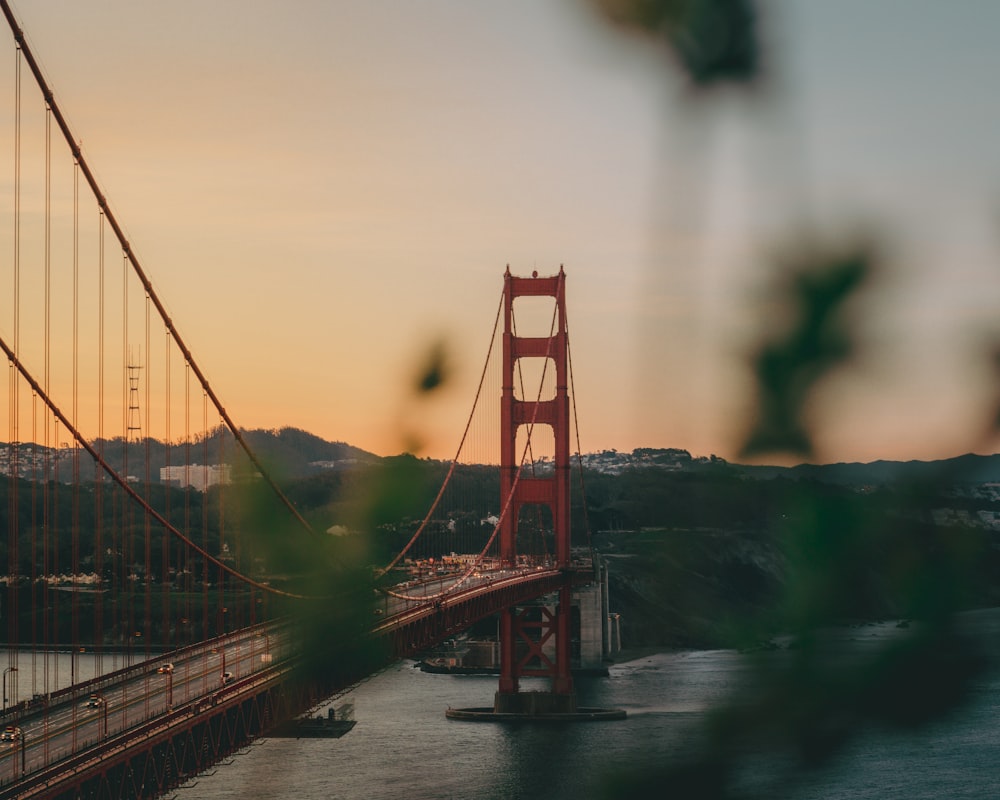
<point>294,453</point>
<point>288,453</point>
<point>966,469</point>
<point>701,552</point>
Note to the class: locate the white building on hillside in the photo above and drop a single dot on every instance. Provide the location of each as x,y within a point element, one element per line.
<point>197,476</point>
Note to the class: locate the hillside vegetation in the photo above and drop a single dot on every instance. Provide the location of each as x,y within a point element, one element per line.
<point>701,552</point>
<point>712,555</point>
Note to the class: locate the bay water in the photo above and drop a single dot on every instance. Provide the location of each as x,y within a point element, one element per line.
<point>403,746</point>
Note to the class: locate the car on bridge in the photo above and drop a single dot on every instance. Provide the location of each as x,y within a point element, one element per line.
<point>165,668</point>
<point>11,734</point>
<point>95,701</point>
<point>227,678</point>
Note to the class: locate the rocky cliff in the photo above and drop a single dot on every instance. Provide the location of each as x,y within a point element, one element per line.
<point>715,588</point>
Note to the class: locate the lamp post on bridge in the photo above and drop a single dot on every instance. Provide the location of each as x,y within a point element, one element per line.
<point>221,651</point>
<point>136,636</point>
<point>9,669</point>
<point>104,713</point>
<point>98,700</point>
<point>72,664</point>
<point>265,656</point>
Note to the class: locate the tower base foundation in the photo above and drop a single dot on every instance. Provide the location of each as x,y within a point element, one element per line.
<point>534,706</point>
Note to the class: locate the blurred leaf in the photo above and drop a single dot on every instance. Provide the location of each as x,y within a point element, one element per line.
<point>398,488</point>
<point>715,41</point>
<point>788,367</point>
<point>435,371</point>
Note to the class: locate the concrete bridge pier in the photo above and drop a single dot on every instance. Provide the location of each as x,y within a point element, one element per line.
<point>530,646</point>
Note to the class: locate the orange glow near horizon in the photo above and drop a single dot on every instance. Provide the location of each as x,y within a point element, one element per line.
<point>320,196</point>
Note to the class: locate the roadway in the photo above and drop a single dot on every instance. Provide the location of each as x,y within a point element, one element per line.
<point>71,723</point>
<point>420,590</point>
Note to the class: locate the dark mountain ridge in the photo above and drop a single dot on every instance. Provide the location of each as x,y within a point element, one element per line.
<point>289,453</point>
<point>702,552</point>
<point>294,453</point>
<point>970,468</point>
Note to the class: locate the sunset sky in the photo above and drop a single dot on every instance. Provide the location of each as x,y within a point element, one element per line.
<point>322,190</point>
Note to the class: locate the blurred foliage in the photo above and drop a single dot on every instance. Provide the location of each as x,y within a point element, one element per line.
<point>799,707</point>
<point>842,555</point>
<point>435,370</point>
<point>397,489</point>
<point>715,41</point>
<point>818,339</point>
<point>335,624</point>
<point>845,556</point>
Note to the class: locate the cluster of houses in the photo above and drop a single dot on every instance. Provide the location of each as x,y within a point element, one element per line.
<point>613,462</point>
<point>35,461</point>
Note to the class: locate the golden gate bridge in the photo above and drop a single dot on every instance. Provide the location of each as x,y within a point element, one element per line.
<point>209,615</point>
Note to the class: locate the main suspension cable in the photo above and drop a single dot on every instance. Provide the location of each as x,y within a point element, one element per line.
<point>123,484</point>
<point>579,451</point>
<point>476,563</point>
<point>134,262</point>
<point>461,445</point>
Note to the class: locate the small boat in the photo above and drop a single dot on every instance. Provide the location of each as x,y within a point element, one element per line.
<point>335,724</point>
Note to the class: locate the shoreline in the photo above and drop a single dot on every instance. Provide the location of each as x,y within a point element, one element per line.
<point>638,652</point>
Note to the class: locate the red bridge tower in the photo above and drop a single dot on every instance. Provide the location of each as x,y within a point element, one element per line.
<point>526,632</point>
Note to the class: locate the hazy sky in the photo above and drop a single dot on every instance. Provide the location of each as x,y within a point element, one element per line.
<point>320,190</point>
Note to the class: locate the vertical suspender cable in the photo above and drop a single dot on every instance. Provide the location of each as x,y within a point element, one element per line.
<point>136,267</point>
<point>13,611</point>
<point>35,603</point>
<point>223,608</point>
<point>204,528</point>
<point>75,452</point>
<point>454,462</point>
<point>147,522</point>
<point>579,456</point>
<point>48,570</point>
<point>184,553</point>
<point>168,617</point>
<point>99,493</point>
<point>126,507</point>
